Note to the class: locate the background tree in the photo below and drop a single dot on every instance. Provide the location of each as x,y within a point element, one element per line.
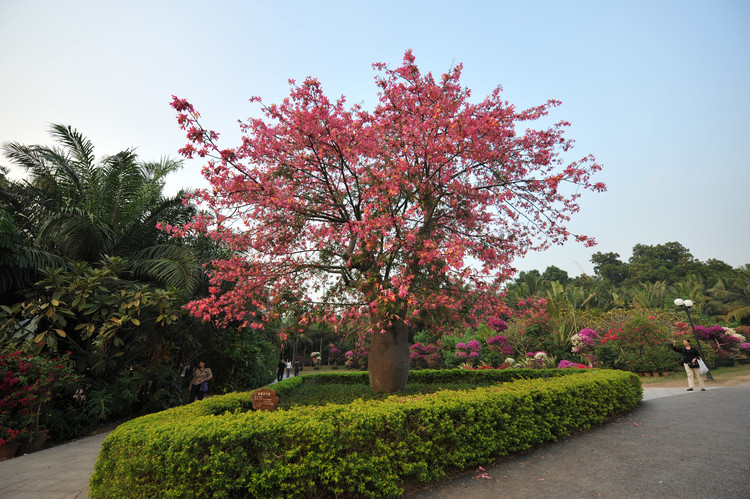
<point>609,267</point>
<point>83,268</point>
<point>82,209</point>
<point>553,273</point>
<point>378,213</point>
<point>662,262</point>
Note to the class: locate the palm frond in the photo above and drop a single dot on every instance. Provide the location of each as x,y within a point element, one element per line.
<point>76,234</point>
<point>169,265</point>
<point>79,146</point>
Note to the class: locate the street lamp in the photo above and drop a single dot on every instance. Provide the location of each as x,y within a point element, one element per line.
<point>686,304</point>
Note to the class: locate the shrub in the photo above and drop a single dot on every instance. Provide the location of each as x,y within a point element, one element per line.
<point>424,356</point>
<point>216,448</point>
<point>638,345</point>
<point>27,386</point>
<point>723,344</point>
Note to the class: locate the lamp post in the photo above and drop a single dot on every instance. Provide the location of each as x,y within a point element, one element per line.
<point>686,304</point>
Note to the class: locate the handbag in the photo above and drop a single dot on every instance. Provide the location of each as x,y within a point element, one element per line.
<point>204,388</point>
<point>702,367</point>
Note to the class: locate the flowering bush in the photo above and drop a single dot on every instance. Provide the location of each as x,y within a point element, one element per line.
<point>351,359</point>
<point>537,360</point>
<point>424,356</point>
<point>532,319</point>
<point>722,343</point>
<point>643,346</point>
<point>498,325</point>
<point>27,384</point>
<point>585,339</point>
<point>566,364</point>
<point>468,351</point>
<point>333,354</point>
<point>11,436</point>
<point>584,343</point>
<point>315,356</point>
<point>499,344</point>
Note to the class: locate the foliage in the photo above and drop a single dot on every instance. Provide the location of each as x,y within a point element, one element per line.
<point>566,364</point>
<point>239,359</point>
<point>27,386</point>
<point>365,449</point>
<point>424,356</point>
<point>392,214</point>
<point>724,344</point>
<point>733,294</point>
<point>76,207</point>
<point>642,344</point>
<point>103,320</point>
<point>122,336</point>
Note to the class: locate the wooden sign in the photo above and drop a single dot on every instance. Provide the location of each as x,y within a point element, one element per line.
<point>264,400</point>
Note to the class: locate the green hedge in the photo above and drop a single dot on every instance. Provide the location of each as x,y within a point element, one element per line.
<point>216,448</point>
<point>436,376</point>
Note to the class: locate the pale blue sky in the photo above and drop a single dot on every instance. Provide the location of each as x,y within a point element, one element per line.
<point>658,91</point>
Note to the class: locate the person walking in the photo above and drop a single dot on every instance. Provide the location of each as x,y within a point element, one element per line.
<point>296,367</point>
<point>690,361</point>
<point>288,368</point>
<point>199,384</point>
<point>280,368</point>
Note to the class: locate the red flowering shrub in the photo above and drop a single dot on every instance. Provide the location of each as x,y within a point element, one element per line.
<point>28,383</point>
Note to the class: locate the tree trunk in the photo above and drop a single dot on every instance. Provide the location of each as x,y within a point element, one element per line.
<point>389,358</point>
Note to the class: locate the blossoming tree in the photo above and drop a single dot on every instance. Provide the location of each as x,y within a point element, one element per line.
<point>386,215</point>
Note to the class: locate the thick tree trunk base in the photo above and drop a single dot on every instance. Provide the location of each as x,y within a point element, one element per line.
<point>389,359</point>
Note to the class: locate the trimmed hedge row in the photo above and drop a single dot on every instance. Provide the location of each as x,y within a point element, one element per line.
<point>216,448</point>
<point>436,376</point>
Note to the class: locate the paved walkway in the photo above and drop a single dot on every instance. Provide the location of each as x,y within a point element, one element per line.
<point>695,445</point>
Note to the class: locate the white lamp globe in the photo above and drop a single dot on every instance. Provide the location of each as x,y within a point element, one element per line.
<point>688,303</point>
<point>679,302</point>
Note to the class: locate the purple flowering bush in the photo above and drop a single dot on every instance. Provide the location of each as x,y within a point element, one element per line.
<point>498,349</point>
<point>498,325</point>
<point>468,351</point>
<point>722,343</point>
<point>333,355</point>
<point>424,356</point>
<point>585,343</point>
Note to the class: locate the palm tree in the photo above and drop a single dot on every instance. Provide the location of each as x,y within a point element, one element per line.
<point>650,295</point>
<point>734,293</point>
<point>18,261</point>
<point>82,209</point>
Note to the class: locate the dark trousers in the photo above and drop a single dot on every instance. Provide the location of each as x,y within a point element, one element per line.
<point>196,391</point>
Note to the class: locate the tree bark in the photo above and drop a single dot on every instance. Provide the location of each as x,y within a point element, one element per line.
<point>389,358</point>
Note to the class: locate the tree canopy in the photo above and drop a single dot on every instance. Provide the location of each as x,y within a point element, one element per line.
<point>76,207</point>
<point>385,215</point>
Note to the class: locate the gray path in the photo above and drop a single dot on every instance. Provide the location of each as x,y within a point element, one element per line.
<point>57,472</point>
<point>693,445</point>
<point>642,454</point>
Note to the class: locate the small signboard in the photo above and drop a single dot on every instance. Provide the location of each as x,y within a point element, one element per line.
<point>264,399</point>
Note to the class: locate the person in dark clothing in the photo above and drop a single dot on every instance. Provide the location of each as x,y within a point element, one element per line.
<point>690,361</point>
<point>296,367</point>
<point>280,370</point>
